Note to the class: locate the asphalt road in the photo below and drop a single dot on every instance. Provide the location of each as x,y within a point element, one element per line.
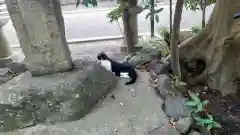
<point>90,23</point>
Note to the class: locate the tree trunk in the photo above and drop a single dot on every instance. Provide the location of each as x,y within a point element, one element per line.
<point>203,12</point>
<point>174,39</point>
<point>170,17</point>
<point>152,18</point>
<point>218,44</point>
<point>130,27</point>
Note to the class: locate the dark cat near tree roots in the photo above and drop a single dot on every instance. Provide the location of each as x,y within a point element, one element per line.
<point>119,69</point>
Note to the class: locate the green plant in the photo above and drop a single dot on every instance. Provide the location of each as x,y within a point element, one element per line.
<point>195,30</point>
<point>199,106</point>
<point>208,122</point>
<point>151,6</point>
<point>114,15</point>
<point>152,12</point>
<point>156,44</point>
<point>86,2</point>
<point>196,102</point>
<point>164,32</point>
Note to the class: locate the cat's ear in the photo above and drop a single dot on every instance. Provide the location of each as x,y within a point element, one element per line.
<point>102,53</point>
<point>99,56</point>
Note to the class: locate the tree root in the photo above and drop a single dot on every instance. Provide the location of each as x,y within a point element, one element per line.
<point>222,58</point>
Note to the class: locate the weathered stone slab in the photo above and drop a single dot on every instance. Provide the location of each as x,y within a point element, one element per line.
<point>58,97</point>
<point>125,114</point>
<point>40,29</point>
<point>5,50</point>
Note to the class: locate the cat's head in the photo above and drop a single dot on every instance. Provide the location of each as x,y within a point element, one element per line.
<point>102,56</point>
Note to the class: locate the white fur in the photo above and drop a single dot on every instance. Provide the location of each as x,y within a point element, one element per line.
<point>124,75</point>
<point>107,65</point>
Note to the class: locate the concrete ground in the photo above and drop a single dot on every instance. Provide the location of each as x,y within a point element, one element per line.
<point>86,50</point>
<point>135,110</point>
<point>130,113</point>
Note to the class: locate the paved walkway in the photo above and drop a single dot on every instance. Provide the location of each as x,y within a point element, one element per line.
<point>136,109</point>
<point>128,114</point>
<point>86,50</point>
<point>82,24</point>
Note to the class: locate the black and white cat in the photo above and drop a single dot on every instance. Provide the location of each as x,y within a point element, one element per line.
<point>123,70</point>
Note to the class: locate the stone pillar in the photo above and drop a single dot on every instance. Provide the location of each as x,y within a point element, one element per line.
<point>40,30</point>
<point>5,50</point>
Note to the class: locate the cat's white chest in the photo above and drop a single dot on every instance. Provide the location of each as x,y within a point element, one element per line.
<point>107,65</point>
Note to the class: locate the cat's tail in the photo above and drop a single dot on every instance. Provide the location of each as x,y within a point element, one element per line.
<point>133,75</point>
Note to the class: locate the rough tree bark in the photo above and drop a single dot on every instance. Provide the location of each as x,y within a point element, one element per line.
<point>130,25</point>
<point>174,39</point>
<point>218,44</point>
<point>203,8</point>
<point>152,2</point>
<point>170,16</point>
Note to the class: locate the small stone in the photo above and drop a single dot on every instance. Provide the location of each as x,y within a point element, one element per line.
<point>48,99</point>
<point>175,108</point>
<point>164,130</point>
<point>194,133</point>
<point>121,103</point>
<point>158,66</point>
<point>164,87</point>
<point>3,71</point>
<point>16,67</point>
<point>77,95</point>
<point>113,97</point>
<point>183,124</point>
<point>133,93</point>
<point>116,130</point>
<point>4,79</point>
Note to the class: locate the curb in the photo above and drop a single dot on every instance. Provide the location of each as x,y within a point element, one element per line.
<point>97,39</point>
<point>87,40</point>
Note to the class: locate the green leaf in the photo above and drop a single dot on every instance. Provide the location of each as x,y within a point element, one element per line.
<point>206,121</point>
<point>158,10</point>
<point>147,16</point>
<point>191,103</point>
<point>209,127</point>
<point>157,18</point>
<point>194,96</point>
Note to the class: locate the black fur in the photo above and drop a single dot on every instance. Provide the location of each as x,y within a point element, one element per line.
<point>118,68</point>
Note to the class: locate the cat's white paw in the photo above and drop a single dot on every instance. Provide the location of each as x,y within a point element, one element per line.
<point>124,75</point>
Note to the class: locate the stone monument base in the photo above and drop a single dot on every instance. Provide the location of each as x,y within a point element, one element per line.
<point>67,96</point>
